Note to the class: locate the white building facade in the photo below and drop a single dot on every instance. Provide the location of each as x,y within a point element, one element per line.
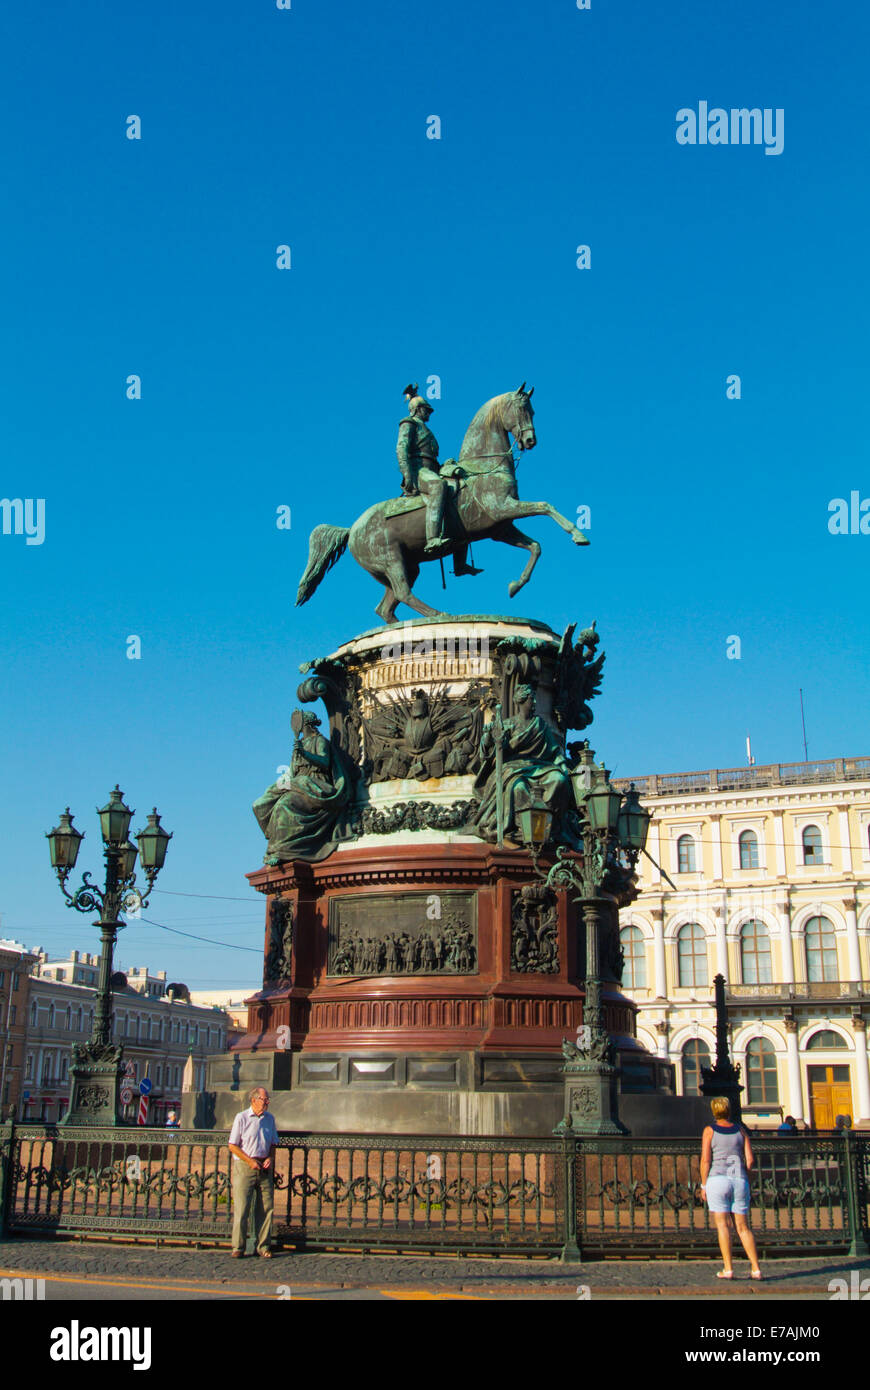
<point>769,872</point>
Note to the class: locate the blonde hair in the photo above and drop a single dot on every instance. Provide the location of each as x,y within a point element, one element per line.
<point>721,1108</point>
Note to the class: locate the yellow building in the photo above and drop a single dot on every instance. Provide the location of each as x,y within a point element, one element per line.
<point>770,886</point>
<point>16,965</point>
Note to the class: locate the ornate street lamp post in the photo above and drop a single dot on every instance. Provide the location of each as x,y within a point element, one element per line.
<point>613,833</point>
<point>96,1065</point>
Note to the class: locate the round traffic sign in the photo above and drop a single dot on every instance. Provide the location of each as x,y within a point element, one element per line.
<point>145,1086</point>
<point>126,1095</point>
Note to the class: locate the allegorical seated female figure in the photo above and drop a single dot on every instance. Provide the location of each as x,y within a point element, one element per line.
<point>534,769</point>
<point>298,815</point>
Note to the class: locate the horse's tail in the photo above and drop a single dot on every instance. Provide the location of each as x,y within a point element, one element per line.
<point>325,548</point>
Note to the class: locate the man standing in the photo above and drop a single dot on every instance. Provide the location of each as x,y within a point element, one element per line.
<point>252,1144</point>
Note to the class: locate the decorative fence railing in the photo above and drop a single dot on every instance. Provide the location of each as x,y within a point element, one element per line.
<point>554,1196</point>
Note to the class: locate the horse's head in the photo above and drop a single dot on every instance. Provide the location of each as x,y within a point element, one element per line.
<point>517,416</point>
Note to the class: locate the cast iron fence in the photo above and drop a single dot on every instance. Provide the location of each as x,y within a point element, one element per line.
<point>549,1196</point>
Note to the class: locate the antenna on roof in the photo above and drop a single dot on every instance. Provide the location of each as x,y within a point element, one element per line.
<point>749,758</point>
<point>804,727</point>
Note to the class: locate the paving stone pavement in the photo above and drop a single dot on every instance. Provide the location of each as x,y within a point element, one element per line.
<point>787,1278</point>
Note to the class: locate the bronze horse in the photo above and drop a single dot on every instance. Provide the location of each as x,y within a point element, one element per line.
<point>388,539</point>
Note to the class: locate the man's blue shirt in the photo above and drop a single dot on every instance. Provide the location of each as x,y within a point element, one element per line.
<point>253,1134</point>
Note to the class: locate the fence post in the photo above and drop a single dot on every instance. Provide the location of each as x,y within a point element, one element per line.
<point>7,1168</point>
<point>571,1252</point>
<point>856,1194</point>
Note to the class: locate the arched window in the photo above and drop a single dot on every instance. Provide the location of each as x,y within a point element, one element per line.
<point>696,1054</point>
<point>685,855</point>
<point>51,1015</point>
<point>812,844</point>
<point>755,959</point>
<point>827,1039</point>
<point>692,955</point>
<point>821,943</point>
<point>748,843</point>
<point>761,1079</point>
<point>79,1018</point>
<point>69,1016</point>
<point>631,939</point>
<point>33,1014</point>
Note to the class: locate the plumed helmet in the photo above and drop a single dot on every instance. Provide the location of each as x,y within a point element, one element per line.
<point>415,400</point>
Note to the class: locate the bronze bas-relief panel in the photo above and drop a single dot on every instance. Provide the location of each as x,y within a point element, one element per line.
<point>403,934</point>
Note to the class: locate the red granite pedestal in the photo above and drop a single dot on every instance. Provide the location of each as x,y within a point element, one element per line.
<point>416,1051</point>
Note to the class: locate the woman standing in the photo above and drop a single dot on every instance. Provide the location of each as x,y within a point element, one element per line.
<point>726,1162</point>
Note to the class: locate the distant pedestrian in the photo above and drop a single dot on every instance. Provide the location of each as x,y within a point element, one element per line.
<point>252,1142</point>
<point>788,1126</point>
<point>172,1120</point>
<point>726,1162</point>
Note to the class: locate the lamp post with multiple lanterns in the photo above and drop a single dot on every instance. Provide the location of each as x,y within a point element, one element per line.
<point>96,1064</point>
<point>613,834</point>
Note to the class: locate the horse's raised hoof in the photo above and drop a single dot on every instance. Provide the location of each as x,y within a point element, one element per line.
<point>579,539</point>
<point>514,588</point>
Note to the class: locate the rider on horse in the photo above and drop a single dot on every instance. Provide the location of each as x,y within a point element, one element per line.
<point>417,452</point>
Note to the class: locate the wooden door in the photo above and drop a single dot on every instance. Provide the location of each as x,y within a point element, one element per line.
<point>830,1095</point>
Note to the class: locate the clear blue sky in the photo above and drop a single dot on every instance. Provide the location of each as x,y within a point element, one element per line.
<point>412,256</point>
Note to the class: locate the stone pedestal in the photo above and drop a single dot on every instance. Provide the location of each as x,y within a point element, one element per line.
<point>419,978</point>
<point>95,1079</point>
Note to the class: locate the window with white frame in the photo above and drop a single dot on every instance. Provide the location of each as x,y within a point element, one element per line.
<point>756,961</point>
<point>686,863</point>
<point>692,956</point>
<point>631,939</point>
<point>695,1055</point>
<point>747,844</point>
<point>821,948</point>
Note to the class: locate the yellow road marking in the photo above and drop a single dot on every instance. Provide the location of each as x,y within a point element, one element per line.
<point>426,1294</point>
<point>174,1286</point>
<point>168,1285</point>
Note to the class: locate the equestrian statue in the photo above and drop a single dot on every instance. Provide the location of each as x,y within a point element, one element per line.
<point>444,507</point>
